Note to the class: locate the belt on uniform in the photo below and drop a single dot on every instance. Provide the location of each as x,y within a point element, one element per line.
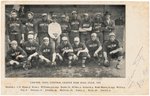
<point>74,30</point>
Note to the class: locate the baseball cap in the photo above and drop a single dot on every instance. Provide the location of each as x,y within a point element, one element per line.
<point>45,38</point>
<point>98,14</point>
<point>74,12</point>
<point>86,14</point>
<point>54,16</point>
<point>44,14</point>
<point>76,39</point>
<point>64,38</point>
<point>13,42</point>
<point>31,13</point>
<point>30,32</point>
<point>111,34</point>
<point>93,34</point>
<point>63,16</point>
<point>30,36</point>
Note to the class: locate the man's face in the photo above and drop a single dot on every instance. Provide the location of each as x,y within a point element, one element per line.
<point>44,18</point>
<point>30,16</point>
<point>112,38</point>
<point>98,17</point>
<point>63,19</point>
<point>31,40</point>
<point>54,19</point>
<point>75,15</point>
<point>13,14</point>
<point>86,17</point>
<point>65,42</point>
<point>107,17</point>
<point>46,42</point>
<point>93,38</point>
<point>76,42</point>
<point>14,46</point>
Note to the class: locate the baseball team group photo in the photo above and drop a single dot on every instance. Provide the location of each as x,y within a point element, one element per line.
<point>65,41</point>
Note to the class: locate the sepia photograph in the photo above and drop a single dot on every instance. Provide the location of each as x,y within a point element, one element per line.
<point>65,41</point>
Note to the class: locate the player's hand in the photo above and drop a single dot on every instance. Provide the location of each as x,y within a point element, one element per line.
<point>29,58</point>
<point>17,63</point>
<point>22,41</point>
<point>106,61</point>
<point>11,62</point>
<point>112,52</point>
<point>89,56</point>
<point>20,56</point>
<point>95,54</point>
<point>60,57</point>
<point>75,57</point>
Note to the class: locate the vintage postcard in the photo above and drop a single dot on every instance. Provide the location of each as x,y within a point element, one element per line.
<point>74,48</point>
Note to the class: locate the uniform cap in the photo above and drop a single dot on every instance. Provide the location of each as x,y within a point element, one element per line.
<point>64,38</point>
<point>93,34</point>
<point>44,14</point>
<point>63,16</point>
<point>54,16</point>
<point>86,14</point>
<point>13,42</point>
<point>30,32</point>
<point>31,13</point>
<point>111,34</point>
<point>74,12</point>
<point>76,39</point>
<point>45,38</point>
<point>30,36</point>
<point>98,14</point>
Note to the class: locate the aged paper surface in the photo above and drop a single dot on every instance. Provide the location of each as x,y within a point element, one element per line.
<point>136,79</point>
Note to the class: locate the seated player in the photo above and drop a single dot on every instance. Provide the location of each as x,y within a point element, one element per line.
<point>112,50</point>
<point>65,51</point>
<point>31,48</point>
<point>95,48</point>
<point>47,52</point>
<point>80,51</point>
<point>16,56</point>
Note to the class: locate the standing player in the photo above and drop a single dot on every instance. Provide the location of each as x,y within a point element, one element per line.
<point>47,52</point>
<point>30,26</point>
<point>112,50</point>
<point>65,26</point>
<point>97,26</point>
<point>54,31</point>
<point>80,51</point>
<point>43,27</point>
<point>74,23</point>
<point>95,48</point>
<point>16,56</point>
<point>65,51</point>
<point>108,26</point>
<point>31,48</point>
<point>85,28</point>
<point>14,29</point>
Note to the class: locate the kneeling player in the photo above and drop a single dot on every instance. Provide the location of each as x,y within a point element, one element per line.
<point>112,50</point>
<point>65,51</point>
<point>16,56</point>
<point>47,52</point>
<point>31,48</point>
<point>80,51</point>
<point>95,48</point>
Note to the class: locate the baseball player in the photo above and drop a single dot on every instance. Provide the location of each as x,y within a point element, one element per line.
<point>16,56</point>
<point>112,50</point>
<point>65,51</point>
<point>65,26</point>
<point>14,29</point>
<point>108,26</point>
<point>95,48</point>
<point>30,26</point>
<point>54,31</point>
<point>31,48</point>
<point>74,23</point>
<point>47,52</point>
<point>97,26</point>
<point>80,51</point>
<point>85,28</point>
<point>43,27</point>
